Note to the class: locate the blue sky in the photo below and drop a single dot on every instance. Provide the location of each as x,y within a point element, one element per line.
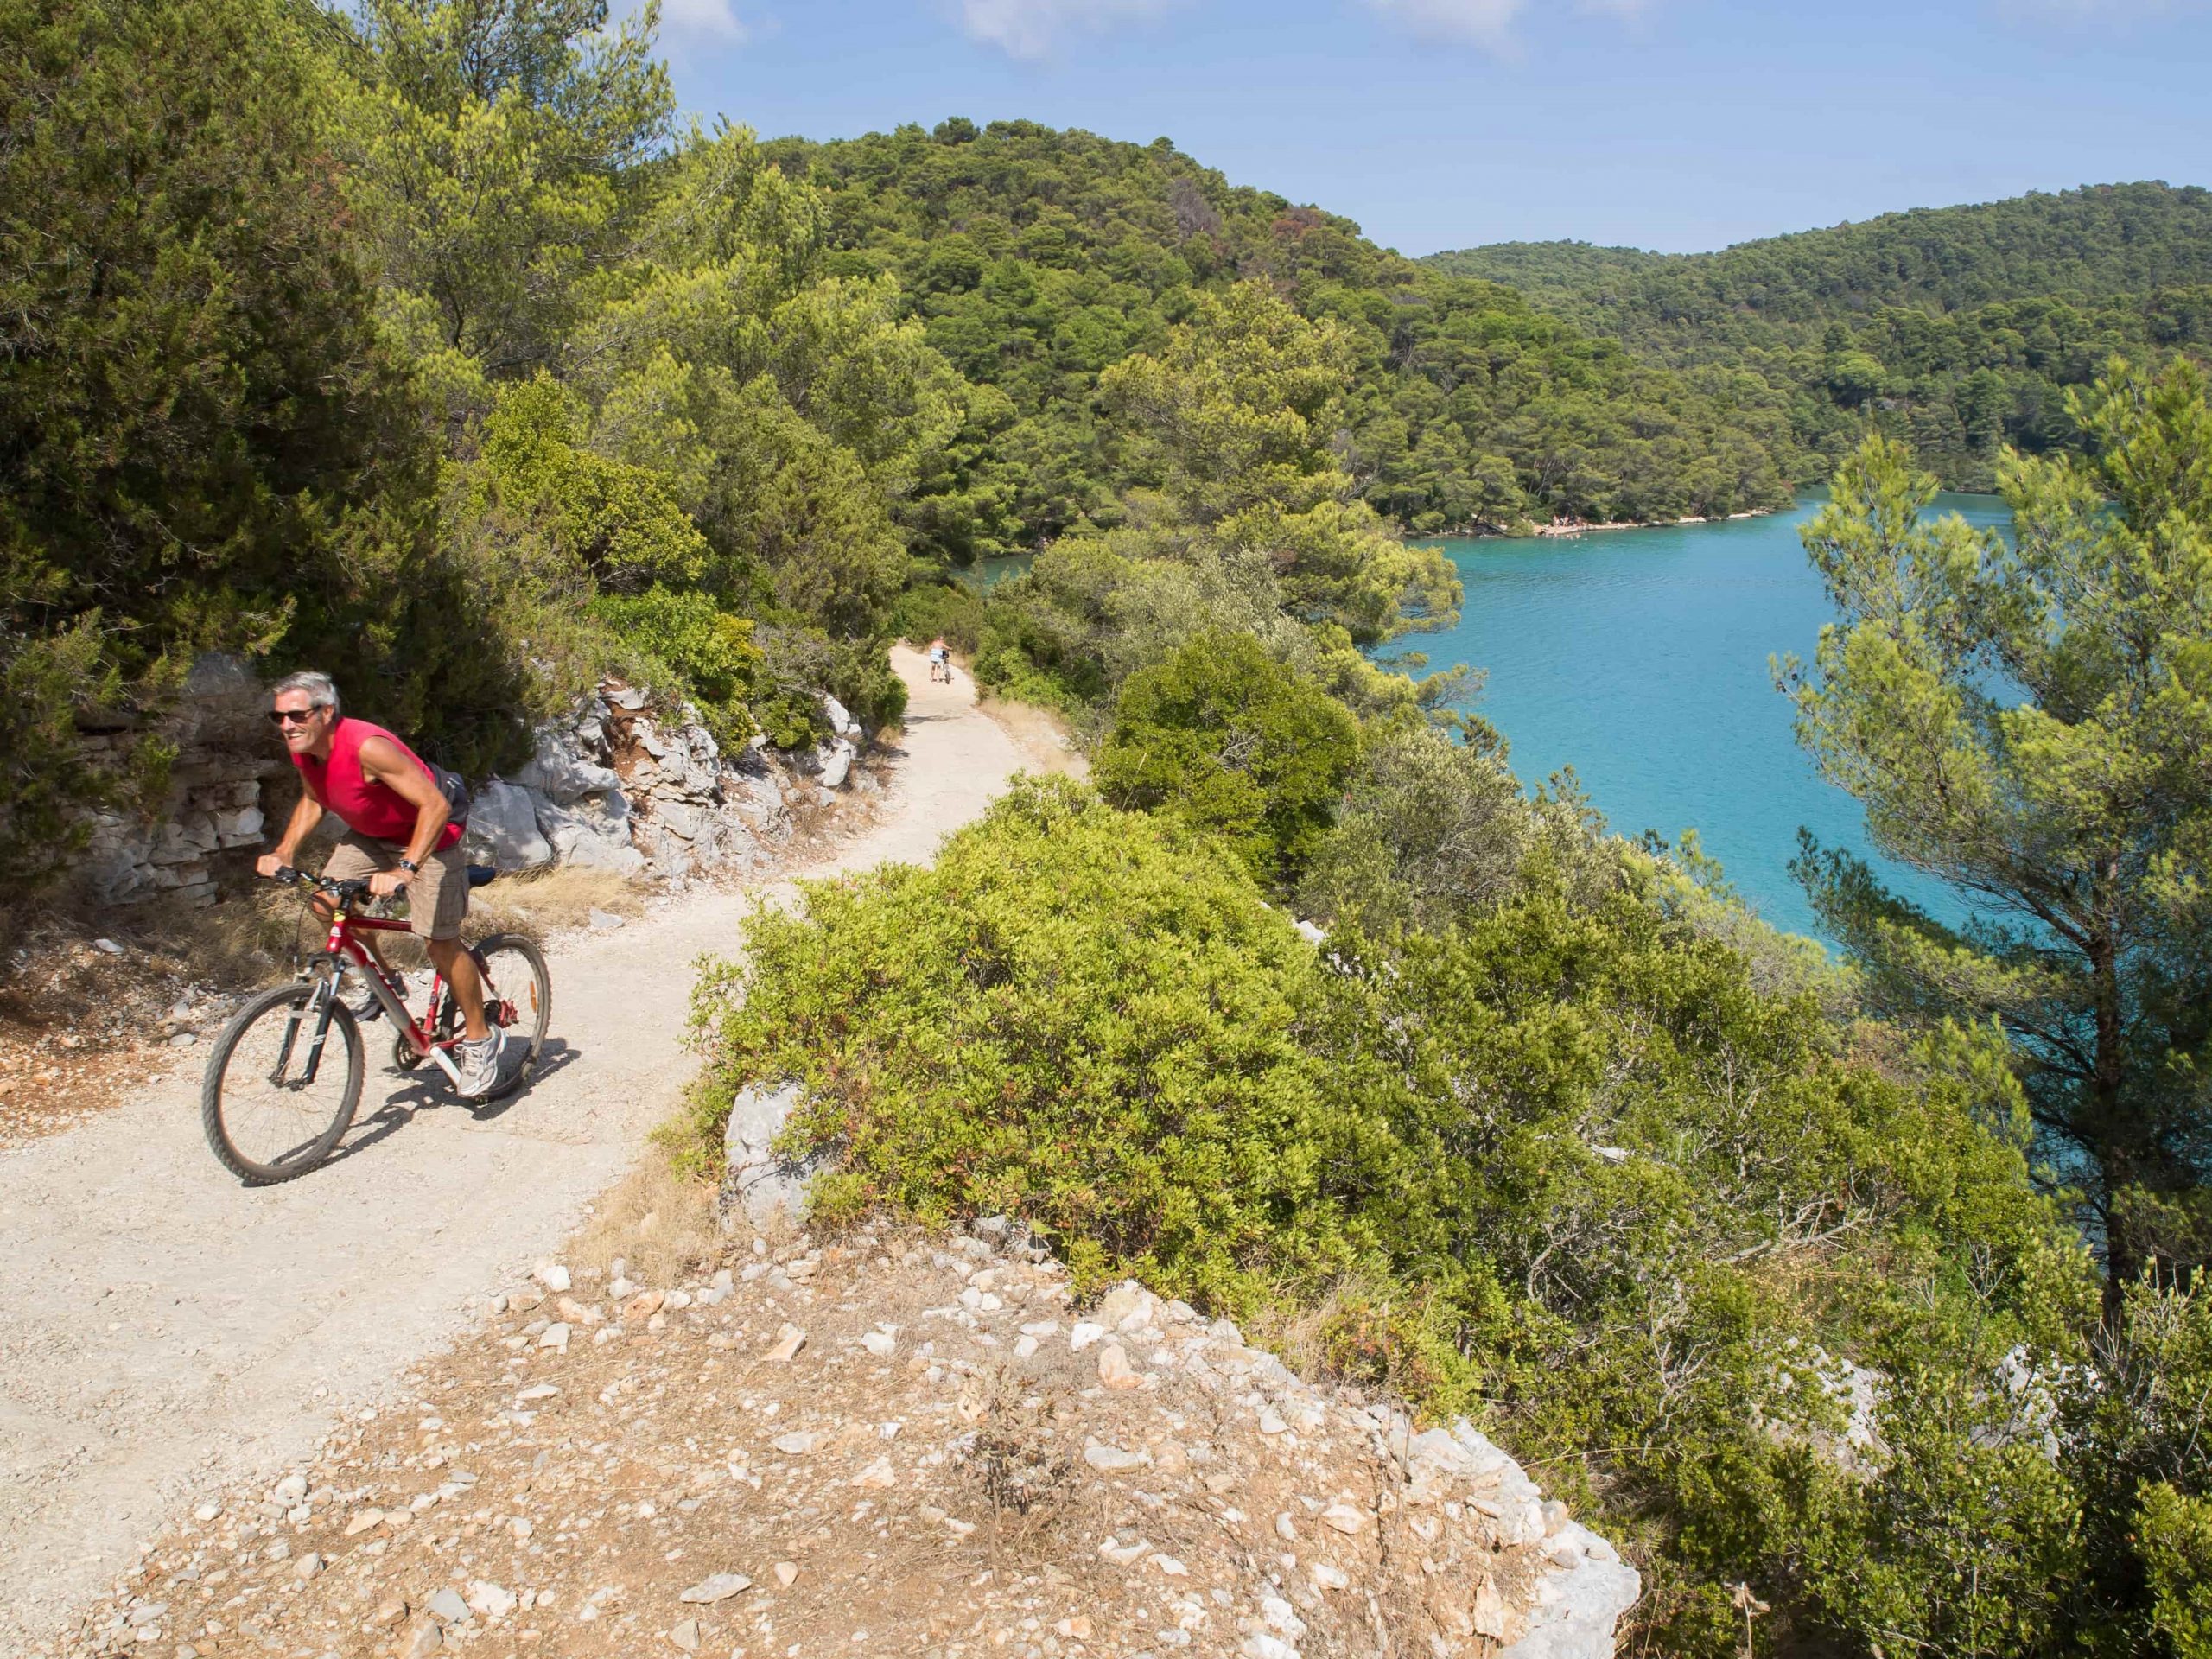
<point>1675,124</point>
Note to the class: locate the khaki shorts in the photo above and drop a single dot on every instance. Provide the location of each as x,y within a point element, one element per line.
<point>437,898</point>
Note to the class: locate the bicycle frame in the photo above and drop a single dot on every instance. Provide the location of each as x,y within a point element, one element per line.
<point>342,943</point>
<point>328,966</point>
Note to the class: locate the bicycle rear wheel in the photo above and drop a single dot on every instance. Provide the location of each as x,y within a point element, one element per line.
<point>518,999</point>
<point>282,1084</point>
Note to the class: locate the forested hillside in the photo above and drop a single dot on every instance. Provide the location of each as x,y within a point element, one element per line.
<point>1037,259</point>
<point>1957,329</point>
<point>422,342</point>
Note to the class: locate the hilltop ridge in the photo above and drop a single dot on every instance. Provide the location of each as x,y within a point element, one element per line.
<point>1957,329</point>
<point>1036,258</point>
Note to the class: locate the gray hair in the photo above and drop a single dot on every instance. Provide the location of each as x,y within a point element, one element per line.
<point>322,690</point>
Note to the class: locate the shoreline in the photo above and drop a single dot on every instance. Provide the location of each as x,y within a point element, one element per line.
<point>1576,527</point>
<point>1561,527</point>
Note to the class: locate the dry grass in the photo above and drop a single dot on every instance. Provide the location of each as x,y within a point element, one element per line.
<point>556,898</point>
<point>660,1221</point>
<point>80,1026</point>
<point>245,941</point>
<point>1297,1332</point>
<point>1357,1331</point>
<point>536,904</point>
<point>1044,737</point>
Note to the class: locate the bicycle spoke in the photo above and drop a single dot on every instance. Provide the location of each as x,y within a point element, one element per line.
<point>277,1105</point>
<point>518,999</point>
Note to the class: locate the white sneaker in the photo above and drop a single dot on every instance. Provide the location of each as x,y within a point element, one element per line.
<point>479,1064</point>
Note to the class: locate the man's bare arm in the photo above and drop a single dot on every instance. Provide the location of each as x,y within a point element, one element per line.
<point>386,762</point>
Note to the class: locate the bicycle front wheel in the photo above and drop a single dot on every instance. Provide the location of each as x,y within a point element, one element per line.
<point>518,999</point>
<point>282,1084</point>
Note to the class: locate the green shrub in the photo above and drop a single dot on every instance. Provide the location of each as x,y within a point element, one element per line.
<point>2137,1447</point>
<point>1567,1164</point>
<point>861,676</point>
<point>1430,830</point>
<point>1074,1018</point>
<point>621,522</point>
<point>48,780</point>
<point>2177,1533</point>
<point>1035,647</point>
<point>803,663</point>
<point>710,652</point>
<point>947,611</point>
<point>1633,1165</point>
<point>1229,742</point>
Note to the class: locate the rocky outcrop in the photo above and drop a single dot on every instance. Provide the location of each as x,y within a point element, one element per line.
<point>503,828</point>
<point>621,786</point>
<point>1567,1588</point>
<point>768,1190</point>
<point>617,785</point>
<point>882,1442</point>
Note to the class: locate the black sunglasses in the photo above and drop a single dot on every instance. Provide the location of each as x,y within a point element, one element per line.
<point>286,716</point>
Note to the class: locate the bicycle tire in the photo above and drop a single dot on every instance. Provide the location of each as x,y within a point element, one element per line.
<point>532,1005</point>
<point>251,1170</point>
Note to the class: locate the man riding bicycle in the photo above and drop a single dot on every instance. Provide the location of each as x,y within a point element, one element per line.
<point>399,834</point>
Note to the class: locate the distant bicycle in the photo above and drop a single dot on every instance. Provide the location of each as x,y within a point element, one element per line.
<point>277,1099</point>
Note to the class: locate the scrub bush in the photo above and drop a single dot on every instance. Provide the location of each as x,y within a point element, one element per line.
<point>1076,1016</point>
<point>1568,1162</point>
<point>1224,739</point>
<point>710,653</point>
<point>48,780</point>
<point>948,611</point>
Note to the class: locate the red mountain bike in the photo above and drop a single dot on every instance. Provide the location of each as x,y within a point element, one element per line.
<point>279,1095</point>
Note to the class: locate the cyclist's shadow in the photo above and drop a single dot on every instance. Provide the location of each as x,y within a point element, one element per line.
<point>426,1090</point>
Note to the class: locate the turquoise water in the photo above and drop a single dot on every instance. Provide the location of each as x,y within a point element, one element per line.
<point>986,574</point>
<point>1639,658</point>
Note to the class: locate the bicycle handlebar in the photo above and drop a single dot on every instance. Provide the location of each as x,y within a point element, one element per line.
<point>344,892</point>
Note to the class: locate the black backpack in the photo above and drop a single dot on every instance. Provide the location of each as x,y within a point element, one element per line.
<point>454,788</point>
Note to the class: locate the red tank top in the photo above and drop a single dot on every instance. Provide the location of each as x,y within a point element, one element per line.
<point>375,810</point>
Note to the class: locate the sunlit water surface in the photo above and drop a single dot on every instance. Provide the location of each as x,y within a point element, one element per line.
<point>1639,658</point>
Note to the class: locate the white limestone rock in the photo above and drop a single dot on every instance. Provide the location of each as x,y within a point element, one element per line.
<point>562,771</point>
<point>503,828</point>
<point>764,1186</point>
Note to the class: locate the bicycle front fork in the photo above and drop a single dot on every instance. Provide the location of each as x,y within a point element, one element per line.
<point>319,1004</point>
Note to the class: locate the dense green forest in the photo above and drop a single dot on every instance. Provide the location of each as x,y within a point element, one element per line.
<point>422,340</point>
<point>1957,330</point>
<point>1036,259</point>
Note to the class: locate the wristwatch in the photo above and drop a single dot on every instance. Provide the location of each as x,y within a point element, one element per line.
<point>410,866</point>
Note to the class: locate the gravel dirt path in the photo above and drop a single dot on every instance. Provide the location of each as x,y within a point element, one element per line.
<point>162,1328</point>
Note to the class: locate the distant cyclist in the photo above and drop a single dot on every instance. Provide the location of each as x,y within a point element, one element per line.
<point>940,660</point>
<point>398,833</point>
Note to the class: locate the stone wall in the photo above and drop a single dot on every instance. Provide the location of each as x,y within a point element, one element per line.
<point>217,811</point>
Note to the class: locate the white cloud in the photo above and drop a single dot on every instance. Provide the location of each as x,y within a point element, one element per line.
<point>1032,28</point>
<point>1484,23</point>
<point>711,20</point>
